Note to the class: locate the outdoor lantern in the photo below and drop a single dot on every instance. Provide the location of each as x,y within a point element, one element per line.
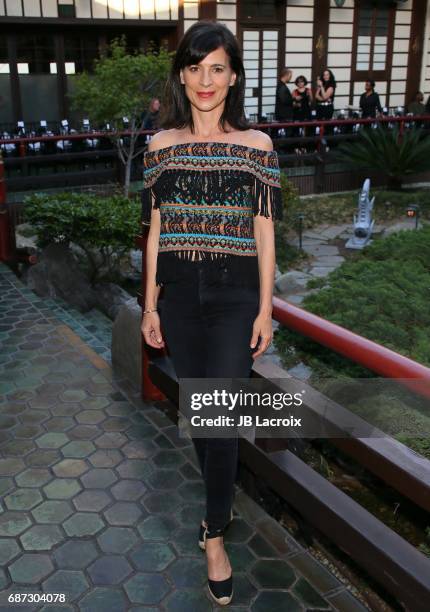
<point>413,210</point>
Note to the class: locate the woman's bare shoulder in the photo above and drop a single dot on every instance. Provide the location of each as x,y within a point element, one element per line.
<point>163,138</point>
<point>259,140</point>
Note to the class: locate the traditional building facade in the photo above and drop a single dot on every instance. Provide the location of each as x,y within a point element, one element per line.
<point>43,42</point>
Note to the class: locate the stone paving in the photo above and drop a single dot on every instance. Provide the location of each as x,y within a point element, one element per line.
<point>100,499</point>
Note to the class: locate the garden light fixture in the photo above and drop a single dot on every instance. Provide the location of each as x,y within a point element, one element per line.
<point>413,210</point>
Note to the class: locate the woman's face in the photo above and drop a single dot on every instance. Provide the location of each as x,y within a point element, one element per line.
<point>368,86</point>
<point>300,83</point>
<point>326,75</point>
<point>212,75</point>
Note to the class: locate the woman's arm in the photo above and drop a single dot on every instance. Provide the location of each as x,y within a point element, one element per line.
<point>150,327</point>
<point>325,94</point>
<point>265,244</point>
<point>152,291</point>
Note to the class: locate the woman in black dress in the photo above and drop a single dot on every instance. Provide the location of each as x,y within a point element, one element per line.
<point>302,102</point>
<point>324,96</point>
<point>211,194</point>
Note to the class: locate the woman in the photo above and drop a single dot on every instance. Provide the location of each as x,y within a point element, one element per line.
<point>302,100</point>
<point>211,193</point>
<point>324,95</point>
<point>370,104</point>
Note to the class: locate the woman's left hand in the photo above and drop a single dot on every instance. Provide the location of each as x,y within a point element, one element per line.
<point>262,329</point>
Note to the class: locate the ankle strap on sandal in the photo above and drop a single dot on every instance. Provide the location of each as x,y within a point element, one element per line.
<point>215,533</point>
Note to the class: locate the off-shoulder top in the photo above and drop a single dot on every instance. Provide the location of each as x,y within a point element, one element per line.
<point>208,193</point>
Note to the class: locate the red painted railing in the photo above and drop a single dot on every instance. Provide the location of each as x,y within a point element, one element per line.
<point>371,355</point>
<point>23,140</point>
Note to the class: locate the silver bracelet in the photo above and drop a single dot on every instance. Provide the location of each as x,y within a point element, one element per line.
<point>150,310</point>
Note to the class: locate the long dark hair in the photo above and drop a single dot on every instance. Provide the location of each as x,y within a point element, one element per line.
<point>199,40</point>
<point>331,82</point>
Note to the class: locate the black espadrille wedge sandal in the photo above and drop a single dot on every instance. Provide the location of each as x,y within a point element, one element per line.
<point>202,544</point>
<point>220,590</point>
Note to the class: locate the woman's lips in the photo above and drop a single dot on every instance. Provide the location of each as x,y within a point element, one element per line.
<point>205,94</point>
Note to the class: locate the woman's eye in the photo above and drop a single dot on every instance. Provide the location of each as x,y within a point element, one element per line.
<point>194,68</point>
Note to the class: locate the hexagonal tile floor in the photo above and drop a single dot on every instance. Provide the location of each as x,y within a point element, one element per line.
<point>100,499</point>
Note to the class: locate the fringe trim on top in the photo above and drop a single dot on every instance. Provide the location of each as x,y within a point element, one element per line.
<point>148,201</point>
<point>267,199</point>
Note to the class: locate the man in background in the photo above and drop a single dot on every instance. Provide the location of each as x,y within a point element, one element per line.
<point>284,99</point>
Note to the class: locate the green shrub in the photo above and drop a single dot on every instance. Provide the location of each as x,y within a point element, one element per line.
<point>286,254</point>
<point>383,295</point>
<point>104,228</point>
<point>384,149</point>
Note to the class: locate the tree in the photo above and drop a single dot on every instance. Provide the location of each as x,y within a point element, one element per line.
<point>121,85</point>
<point>387,150</point>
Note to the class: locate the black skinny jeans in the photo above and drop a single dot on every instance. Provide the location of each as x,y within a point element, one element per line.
<point>208,330</point>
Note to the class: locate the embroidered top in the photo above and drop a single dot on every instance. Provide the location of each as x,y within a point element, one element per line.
<point>208,193</point>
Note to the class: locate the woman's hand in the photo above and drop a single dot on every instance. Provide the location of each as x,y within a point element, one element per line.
<point>262,329</point>
<point>151,330</point>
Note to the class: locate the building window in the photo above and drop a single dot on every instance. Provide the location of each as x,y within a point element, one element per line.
<point>66,10</point>
<point>374,25</point>
<point>80,52</point>
<point>35,53</point>
<point>262,10</point>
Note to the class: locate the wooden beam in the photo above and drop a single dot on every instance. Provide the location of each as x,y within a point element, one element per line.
<point>416,49</point>
<point>207,9</point>
<point>320,38</point>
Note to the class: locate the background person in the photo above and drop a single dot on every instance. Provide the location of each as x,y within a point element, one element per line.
<point>284,99</point>
<point>151,117</point>
<point>324,95</point>
<point>417,106</point>
<point>370,104</point>
<point>302,100</point>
